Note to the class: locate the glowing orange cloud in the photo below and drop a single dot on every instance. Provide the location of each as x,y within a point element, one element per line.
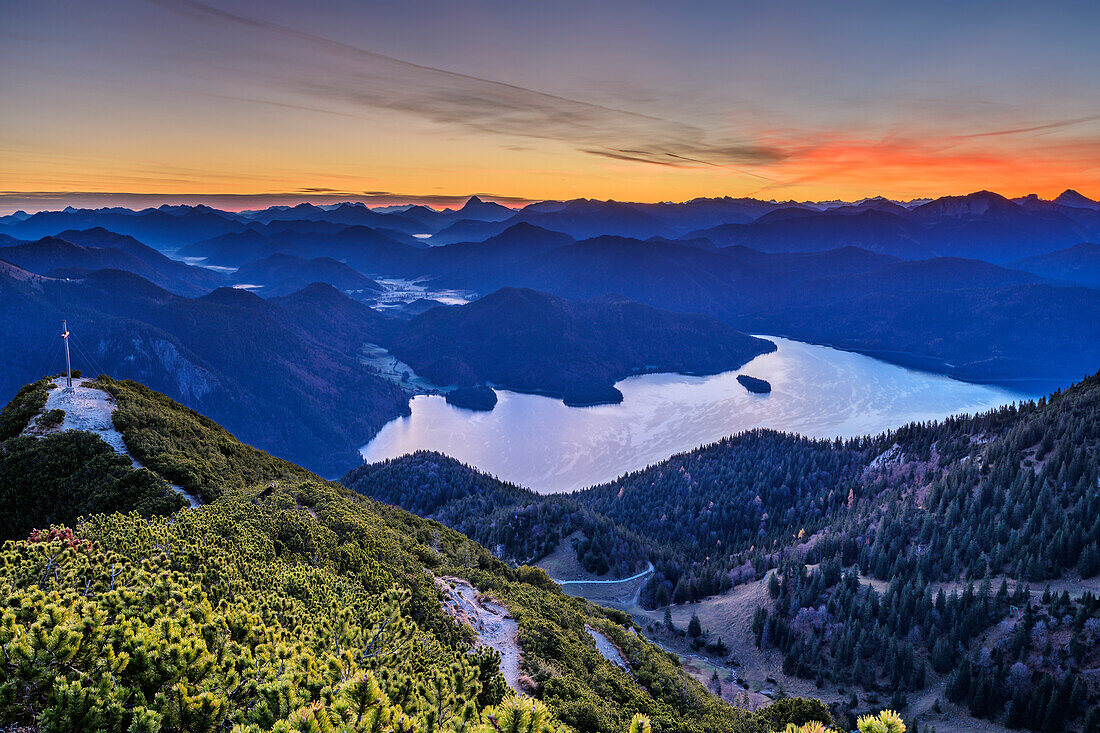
<point>239,172</point>
<point>850,167</point>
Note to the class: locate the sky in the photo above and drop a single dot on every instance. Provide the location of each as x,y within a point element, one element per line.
<point>242,104</point>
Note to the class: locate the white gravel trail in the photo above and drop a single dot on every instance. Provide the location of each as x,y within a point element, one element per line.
<point>607,648</point>
<point>494,626</point>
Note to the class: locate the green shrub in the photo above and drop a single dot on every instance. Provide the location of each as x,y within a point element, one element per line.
<point>796,711</point>
<point>51,418</point>
<point>187,448</point>
<point>27,403</point>
<point>61,477</point>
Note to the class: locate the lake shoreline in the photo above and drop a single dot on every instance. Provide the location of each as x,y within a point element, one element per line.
<point>817,391</point>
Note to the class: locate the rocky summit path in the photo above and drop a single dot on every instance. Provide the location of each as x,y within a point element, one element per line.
<point>494,626</point>
<point>90,409</point>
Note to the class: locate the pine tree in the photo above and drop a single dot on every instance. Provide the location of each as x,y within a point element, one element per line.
<point>694,629</point>
<point>1089,563</point>
<point>759,619</point>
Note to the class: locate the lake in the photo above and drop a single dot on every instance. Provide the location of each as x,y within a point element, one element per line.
<point>817,391</point>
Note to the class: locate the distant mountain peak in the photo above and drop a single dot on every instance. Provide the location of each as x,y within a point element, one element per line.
<point>475,204</point>
<point>233,296</point>
<point>1070,197</point>
<point>350,206</point>
<point>317,290</point>
<point>973,204</point>
<point>56,242</point>
<point>525,229</point>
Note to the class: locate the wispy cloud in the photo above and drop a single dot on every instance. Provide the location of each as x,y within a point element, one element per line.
<point>619,116</point>
<point>1045,127</point>
<point>672,160</point>
<point>356,78</point>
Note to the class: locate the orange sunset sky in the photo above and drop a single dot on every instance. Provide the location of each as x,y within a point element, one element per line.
<point>242,104</point>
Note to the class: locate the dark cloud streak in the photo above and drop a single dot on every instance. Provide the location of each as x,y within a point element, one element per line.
<point>1035,128</point>
<point>634,158</point>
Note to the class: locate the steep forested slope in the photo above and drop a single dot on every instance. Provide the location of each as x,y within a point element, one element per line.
<point>289,603</point>
<point>891,558</point>
<point>516,523</point>
<point>684,514</point>
<point>951,511</point>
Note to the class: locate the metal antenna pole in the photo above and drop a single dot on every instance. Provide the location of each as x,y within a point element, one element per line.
<point>68,364</point>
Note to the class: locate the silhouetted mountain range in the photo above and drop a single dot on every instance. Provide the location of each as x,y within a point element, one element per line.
<point>1079,263</point>
<point>75,253</point>
<point>363,248</point>
<point>579,219</point>
<point>840,273</point>
<point>848,297</point>
<point>982,225</point>
<point>164,228</point>
<point>281,274</point>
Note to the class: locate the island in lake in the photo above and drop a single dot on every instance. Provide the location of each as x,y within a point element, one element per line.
<point>754,385</point>
<point>473,398</point>
<point>590,395</point>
